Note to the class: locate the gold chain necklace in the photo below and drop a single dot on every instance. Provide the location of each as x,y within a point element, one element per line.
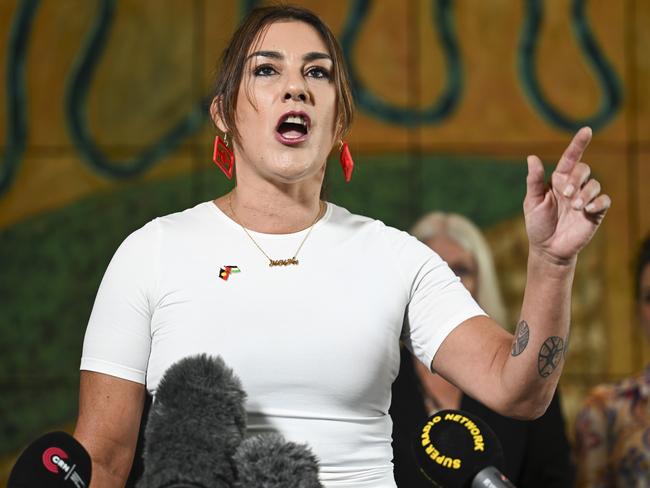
<point>277,262</point>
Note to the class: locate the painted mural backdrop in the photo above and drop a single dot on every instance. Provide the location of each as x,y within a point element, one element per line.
<point>104,127</point>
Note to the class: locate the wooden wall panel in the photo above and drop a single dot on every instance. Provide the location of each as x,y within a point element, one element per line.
<point>638,46</point>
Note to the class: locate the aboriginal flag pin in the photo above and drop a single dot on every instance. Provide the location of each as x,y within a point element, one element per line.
<point>226,271</point>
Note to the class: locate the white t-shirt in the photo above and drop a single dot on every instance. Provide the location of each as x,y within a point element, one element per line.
<point>316,346</point>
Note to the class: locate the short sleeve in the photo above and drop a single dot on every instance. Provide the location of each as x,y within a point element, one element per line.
<point>437,301</point>
<point>118,336</point>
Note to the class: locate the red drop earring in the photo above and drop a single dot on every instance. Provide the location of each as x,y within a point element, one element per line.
<point>223,156</point>
<point>346,161</point>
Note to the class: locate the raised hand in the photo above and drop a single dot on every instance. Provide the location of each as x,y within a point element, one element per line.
<point>562,219</point>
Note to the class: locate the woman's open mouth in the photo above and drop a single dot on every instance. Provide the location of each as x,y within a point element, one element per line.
<point>293,128</point>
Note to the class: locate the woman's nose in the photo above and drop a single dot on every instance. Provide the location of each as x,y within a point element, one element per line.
<point>295,95</point>
<point>296,90</point>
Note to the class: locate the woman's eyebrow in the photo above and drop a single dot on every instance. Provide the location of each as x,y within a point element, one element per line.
<point>310,56</point>
<point>266,54</point>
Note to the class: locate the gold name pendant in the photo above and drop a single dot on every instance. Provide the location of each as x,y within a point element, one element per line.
<point>278,262</point>
<point>283,262</point>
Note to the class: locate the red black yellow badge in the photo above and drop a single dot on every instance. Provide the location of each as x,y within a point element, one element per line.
<point>226,271</point>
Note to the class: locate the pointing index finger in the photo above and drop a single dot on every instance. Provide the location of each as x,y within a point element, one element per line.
<point>573,153</point>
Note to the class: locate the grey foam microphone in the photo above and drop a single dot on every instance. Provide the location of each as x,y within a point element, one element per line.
<point>269,461</point>
<point>196,423</point>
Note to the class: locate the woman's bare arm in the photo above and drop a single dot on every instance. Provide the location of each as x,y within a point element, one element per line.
<point>514,376</point>
<point>517,377</point>
<point>110,410</point>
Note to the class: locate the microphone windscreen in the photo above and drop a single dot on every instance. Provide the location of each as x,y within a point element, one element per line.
<point>269,461</point>
<point>53,460</point>
<point>195,424</point>
<point>453,446</point>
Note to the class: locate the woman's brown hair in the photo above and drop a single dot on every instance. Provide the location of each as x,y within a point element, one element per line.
<point>232,63</point>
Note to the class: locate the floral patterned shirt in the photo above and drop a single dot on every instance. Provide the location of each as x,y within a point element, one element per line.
<point>613,435</point>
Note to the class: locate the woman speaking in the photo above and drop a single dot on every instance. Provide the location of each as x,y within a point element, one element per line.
<point>305,301</point>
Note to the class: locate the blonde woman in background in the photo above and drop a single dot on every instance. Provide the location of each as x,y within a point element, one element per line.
<point>537,452</point>
<point>441,229</point>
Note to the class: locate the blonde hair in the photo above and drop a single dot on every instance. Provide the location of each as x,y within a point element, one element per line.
<point>469,237</point>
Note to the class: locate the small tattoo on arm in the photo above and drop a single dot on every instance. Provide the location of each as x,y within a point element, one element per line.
<point>522,333</point>
<point>550,355</point>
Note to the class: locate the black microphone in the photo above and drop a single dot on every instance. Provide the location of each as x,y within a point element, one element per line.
<point>456,449</point>
<point>269,461</point>
<point>196,423</point>
<point>52,461</point>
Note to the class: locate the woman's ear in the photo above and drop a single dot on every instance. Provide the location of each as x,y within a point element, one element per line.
<point>215,114</point>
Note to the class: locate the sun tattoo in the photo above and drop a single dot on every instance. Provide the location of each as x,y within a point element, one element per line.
<point>522,334</point>
<point>550,355</point>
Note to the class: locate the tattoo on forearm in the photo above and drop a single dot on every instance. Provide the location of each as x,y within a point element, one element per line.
<point>522,333</point>
<point>550,355</point>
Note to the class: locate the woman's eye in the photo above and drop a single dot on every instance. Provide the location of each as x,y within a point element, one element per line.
<point>318,72</point>
<point>264,70</point>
